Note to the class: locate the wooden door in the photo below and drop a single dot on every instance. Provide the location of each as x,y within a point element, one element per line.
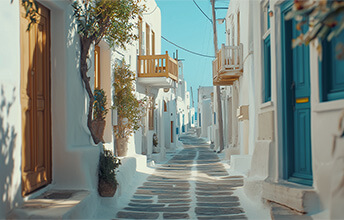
<point>153,43</point>
<point>297,107</point>
<point>35,101</point>
<point>147,40</point>
<point>172,129</point>
<point>140,36</point>
<point>97,67</point>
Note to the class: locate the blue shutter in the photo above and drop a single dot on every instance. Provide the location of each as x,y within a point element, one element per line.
<point>331,72</point>
<point>267,69</point>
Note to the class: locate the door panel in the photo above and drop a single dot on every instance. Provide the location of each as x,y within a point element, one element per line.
<point>172,131</point>
<point>35,101</point>
<point>298,162</point>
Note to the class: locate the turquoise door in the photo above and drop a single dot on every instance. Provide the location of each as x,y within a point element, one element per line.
<point>297,107</point>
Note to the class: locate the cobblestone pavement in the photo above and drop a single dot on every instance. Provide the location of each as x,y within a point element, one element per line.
<point>194,184</point>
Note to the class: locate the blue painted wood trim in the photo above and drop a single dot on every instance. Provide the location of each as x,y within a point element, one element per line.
<point>288,115</point>
<point>284,8</point>
<point>267,69</point>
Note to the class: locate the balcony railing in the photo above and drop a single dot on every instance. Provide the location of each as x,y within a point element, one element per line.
<point>157,66</point>
<point>228,65</point>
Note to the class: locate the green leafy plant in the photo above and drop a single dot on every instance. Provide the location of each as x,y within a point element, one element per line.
<point>110,20</point>
<point>325,19</point>
<point>155,140</point>
<point>99,105</point>
<point>130,110</point>
<point>108,163</point>
<point>31,11</point>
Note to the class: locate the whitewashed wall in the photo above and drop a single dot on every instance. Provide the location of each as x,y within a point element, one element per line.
<point>264,126</point>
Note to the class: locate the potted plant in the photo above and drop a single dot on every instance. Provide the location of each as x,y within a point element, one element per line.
<point>155,143</point>
<point>130,110</point>
<point>107,183</point>
<point>99,113</point>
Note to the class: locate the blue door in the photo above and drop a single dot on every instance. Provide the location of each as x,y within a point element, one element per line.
<point>297,106</point>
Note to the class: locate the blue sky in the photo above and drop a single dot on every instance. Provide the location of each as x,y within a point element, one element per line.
<point>185,25</point>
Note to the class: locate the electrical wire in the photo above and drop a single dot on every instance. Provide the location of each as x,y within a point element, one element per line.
<point>211,21</point>
<point>203,55</point>
<point>151,11</point>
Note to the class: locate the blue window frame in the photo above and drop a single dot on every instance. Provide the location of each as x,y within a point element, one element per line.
<point>199,120</point>
<point>267,69</point>
<point>331,72</point>
<point>268,17</point>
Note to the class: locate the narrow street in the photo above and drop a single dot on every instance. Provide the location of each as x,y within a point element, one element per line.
<point>193,184</point>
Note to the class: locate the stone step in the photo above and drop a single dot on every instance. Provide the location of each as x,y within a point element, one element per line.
<point>55,204</point>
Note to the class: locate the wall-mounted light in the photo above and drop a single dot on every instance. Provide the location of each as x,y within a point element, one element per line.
<point>220,20</point>
<point>271,13</point>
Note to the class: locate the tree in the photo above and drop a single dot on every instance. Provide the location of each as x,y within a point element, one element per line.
<point>325,19</point>
<point>130,110</point>
<point>110,20</point>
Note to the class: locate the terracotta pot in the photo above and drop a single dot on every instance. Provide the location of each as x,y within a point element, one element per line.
<point>121,147</point>
<point>106,189</point>
<point>98,126</point>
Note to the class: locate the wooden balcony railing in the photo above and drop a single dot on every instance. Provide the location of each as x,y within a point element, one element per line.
<point>157,66</point>
<point>228,65</point>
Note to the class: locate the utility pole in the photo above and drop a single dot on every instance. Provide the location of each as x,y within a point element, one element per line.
<point>218,92</point>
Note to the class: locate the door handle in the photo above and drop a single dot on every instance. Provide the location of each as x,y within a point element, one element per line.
<point>292,88</point>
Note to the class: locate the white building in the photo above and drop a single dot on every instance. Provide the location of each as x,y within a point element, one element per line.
<point>289,109</point>
<point>183,103</point>
<point>205,112</point>
<point>46,147</point>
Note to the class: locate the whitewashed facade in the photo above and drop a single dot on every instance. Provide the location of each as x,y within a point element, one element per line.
<point>307,178</point>
<point>204,118</point>
<point>71,158</point>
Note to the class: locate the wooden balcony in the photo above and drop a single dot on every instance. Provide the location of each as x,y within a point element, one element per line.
<point>157,70</point>
<point>228,65</point>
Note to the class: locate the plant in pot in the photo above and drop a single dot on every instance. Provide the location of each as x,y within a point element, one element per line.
<point>107,183</point>
<point>130,110</point>
<point>99,113</point>
<point>155,143</point>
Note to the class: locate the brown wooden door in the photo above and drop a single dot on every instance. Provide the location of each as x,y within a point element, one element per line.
<point>35,101</point>
<point>147,39</point>
<point>172,129</point>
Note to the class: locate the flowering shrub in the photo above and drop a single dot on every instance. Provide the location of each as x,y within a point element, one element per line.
<point>325,19</point>
<point>99,105</point>
<point>130,110</point>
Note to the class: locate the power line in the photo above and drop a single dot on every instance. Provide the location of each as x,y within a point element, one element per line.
<point>202,12</point>
<point>151,11</point>
<point>203,55</point>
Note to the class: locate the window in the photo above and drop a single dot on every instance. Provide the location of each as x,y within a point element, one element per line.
<point>238,34</point>
<point>199,120</point>
<point>140,36</point>
<point>266,82</point>
<point>165,106</point>
<point>214,118</point>
<point>96,67</point>
<point>151,114</point>
<point>147,39</point>
<point>267,69</point>
<point>153,43</point>
<point>331,72</point>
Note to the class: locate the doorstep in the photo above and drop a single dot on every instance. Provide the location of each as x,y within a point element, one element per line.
<point>279,212</point>
<point>301,198</point>
<point>53,204</point>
